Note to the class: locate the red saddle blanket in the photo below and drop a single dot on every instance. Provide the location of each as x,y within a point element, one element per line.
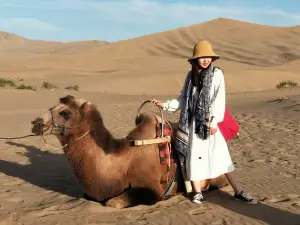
<point>164,148</point>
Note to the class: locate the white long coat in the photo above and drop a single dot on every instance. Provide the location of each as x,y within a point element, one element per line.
<point>207,159</point>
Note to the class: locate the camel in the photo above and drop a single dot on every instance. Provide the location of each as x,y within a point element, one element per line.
<point>113,171</point>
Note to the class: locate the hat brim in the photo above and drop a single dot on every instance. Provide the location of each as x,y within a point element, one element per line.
<point>214,57</point>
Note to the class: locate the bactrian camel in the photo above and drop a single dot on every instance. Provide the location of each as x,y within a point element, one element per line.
<point>112,171</point>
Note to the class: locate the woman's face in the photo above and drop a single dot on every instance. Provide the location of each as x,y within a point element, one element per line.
<point>204,62</point>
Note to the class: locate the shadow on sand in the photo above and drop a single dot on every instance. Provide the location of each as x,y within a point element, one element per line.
<point>52,172</point>
<point>259,211</point>
<point>46,169</point>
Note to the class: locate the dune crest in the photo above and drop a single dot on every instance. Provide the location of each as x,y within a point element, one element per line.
<point>251,55</point>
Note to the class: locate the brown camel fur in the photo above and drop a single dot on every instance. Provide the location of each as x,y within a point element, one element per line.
<point>111,170</point>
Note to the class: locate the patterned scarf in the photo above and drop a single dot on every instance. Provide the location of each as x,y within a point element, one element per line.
<point>199,111</point>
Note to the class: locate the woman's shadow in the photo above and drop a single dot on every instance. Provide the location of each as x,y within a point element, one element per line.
<point>261,212</point>
<point>47,170</point>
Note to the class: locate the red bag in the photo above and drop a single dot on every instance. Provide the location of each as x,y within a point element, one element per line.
<point>228,127</point>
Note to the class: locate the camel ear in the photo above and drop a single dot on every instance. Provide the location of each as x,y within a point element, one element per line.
<point>85,108</point>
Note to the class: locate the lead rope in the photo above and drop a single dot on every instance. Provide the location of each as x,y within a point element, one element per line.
<point>20,137</point>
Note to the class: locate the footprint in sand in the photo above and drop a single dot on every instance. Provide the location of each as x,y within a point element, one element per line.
<point>71,204</point>
<point>294,196</point>
<point>143,215</point>
<point>199,210</point>
<point>134,217</point>
<point>219,222</point>
<point>281,198</point>
<point>43,213</point>
<point>288,175</point>
<point>14,199</point>
<point>258,160</point>
<point>296,205</point>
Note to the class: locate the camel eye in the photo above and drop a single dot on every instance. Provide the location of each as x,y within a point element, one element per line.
<point>65,114</point>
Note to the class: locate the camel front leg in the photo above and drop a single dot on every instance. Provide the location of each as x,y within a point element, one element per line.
<point>133,197</point>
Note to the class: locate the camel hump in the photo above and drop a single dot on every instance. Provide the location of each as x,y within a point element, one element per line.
<point>146,126</point>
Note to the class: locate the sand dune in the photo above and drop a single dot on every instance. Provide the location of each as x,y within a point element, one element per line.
<point>16,47</point>
<point>248,51</point>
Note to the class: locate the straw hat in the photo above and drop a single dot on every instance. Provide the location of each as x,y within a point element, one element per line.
<point>203,49</point>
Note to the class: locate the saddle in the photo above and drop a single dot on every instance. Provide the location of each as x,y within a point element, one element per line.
<point>163,135</point>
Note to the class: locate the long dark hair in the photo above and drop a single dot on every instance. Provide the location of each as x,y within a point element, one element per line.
<point>198,73</point>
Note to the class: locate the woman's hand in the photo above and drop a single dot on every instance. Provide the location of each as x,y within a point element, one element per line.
<point>157,102</point>
<point>212,130</point>
<point>213,127</point>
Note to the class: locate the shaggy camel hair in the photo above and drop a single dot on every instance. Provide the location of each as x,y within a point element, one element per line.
<point>112,171</point>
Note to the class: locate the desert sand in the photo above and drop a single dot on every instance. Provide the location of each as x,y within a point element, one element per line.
<point>37,184</point>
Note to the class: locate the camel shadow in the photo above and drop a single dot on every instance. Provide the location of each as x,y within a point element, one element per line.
<point>47,170</point>
<point>259,211</point>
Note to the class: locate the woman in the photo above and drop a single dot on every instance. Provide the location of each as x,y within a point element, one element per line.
<point>199,142</point>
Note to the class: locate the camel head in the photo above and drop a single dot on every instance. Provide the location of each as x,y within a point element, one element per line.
<point>68,117</point>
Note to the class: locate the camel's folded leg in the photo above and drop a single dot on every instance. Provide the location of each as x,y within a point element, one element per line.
<point>133,197</point>
<point>218,182</point>
<point>205,184</point>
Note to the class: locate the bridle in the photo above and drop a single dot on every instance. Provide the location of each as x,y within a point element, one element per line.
<point>63,131</point>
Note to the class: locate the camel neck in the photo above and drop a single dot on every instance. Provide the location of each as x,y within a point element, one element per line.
<point>105,140</point>
<point>98,138</point>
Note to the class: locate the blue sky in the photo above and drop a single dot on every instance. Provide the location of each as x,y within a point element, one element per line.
<point>113,20</point>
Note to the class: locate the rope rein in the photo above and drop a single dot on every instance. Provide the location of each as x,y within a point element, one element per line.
<point>54,125</point>
<point>50,146</point>
<point>20,137</point>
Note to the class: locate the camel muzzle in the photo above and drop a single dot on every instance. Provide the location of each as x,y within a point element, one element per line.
<point>38,126</point>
